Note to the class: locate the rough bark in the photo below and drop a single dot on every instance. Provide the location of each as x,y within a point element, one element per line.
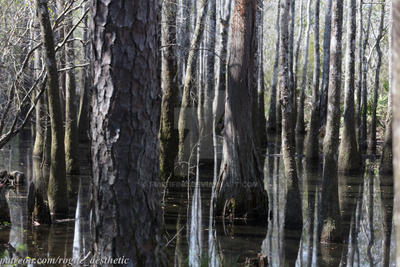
<point>386,164</point>
<point>298,44</point>
<point>71,139</point>
<point>293,214</point>
<point>326,64</point>
<point>127,215</point>
<point>312,147</point>
<point>349,156</point>
<point>273,103</point>
<point>372,141</point>
<point>330,213</point>
<point>300,128</point>
<point>57,190</point>
<point>168,134</point>
<point>240,183</point>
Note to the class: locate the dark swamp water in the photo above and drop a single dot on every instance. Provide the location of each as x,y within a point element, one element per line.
<point>194,240</point>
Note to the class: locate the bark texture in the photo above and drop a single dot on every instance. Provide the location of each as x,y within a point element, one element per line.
<point>127,216</point>
<point>349,156</point>
<point>330,213</point>
<point>57,191</point>
<point>241,179</point>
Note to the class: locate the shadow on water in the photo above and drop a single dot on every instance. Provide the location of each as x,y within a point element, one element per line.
<point>197,238</point>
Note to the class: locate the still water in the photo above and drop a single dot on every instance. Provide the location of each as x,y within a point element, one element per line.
<point>194,238</point>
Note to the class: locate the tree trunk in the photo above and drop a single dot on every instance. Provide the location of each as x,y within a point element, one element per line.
<point>187,114</point>
<point>127,215</point>
<point>349,156</point>
<point>312,149</point>
<point>240,183</point>
<point>274,107</point>
<point>362,132</point>
<point>330,216</point>
<point>326,64</point>
<point>57,191</point>
<point>169,83</point>
<point>71,125</point>
<point>396,124</point>
<point>293,215</point>
<point>300,128</point>
<point>372,142</point>
<point>386,164</point>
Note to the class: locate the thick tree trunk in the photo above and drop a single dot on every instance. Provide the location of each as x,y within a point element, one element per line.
<point>240,186</point>
<point>396,124</point>
<point>326,64</point>
<point>330,216</point>
<point>349,156</point>
<point>169,83</point>
<point>187,114</point>
<point>386,165</point>
<point>71,125</point>
<point>312,147</point>
<point>293,214</point>
<point>274,107</point>
<point>300,128</point>
<point>57,191</point>
<point>372,142</point>
<point>127,215</point>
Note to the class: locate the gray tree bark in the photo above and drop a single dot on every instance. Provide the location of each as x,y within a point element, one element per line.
<point>330,212</point>
<point>127,215</point>
<point>57,188</point>
<point>349,156</point>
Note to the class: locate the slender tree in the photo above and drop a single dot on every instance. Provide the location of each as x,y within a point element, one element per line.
<point>240,185</point>
<point>293,216</point>
<point>349,156</point>
<point>169,83</point>
<point>330,213</point>
<point>57,190</point>
<point>312,150</point>
<point>127,215</point>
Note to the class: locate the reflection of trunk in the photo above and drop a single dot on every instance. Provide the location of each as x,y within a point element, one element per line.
<point>241,179</point>
<point>396,122</point>
<point>312,149</point>
<point>372,143</point>
<point>349,156</point>
<point>124,125</point>
<point>386,165</point>
<point>168,135</point>
<point>330,217</point>
<point>273,103</point>
<point>293,216</point>
<point>57,191</point>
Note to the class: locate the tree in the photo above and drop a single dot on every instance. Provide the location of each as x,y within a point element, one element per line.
<point>127,215</point>
<point>57,188</point>
<point>396,123</point>
<point>241,179</point>
<point>169,83</point>
<point>330,213</point>
<point>349,156</point>
<point>312,150</point>
<point>293,216</point>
